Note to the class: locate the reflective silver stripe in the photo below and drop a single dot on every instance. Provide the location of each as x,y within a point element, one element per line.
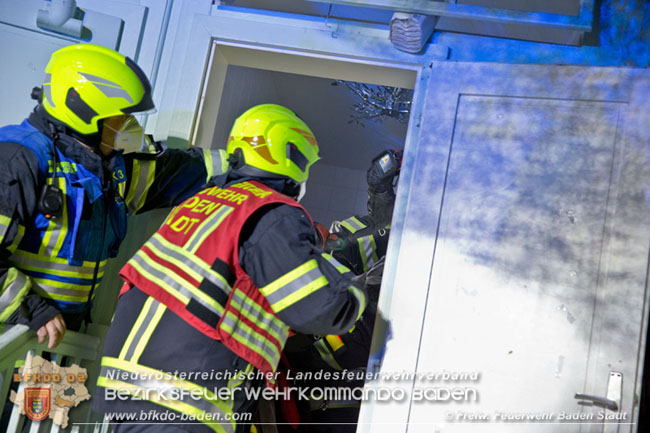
<point>171,282</point>
<point>18,258</point>
<point>41,287</point>
<point>141,186</point>
<point>114,92</point>
<point>353,224</point>
<point>141,330</point>
<point>326,355</point>
<point>261,318</point>
<point>19,237</point>
<point>338,265</point>
<point>47,89</point>
<point>294,285</point>
<point>166,389</point>
<point>207,225</point>
<point>48,248</point>
<point>219,163</point>
<point>94,78</point>
<point>361,299</point>
<point>12,291</point>
<point>4,226</point>
<point>249,335</point>
<point>4,328</point>
<point>210,275</point>
<point>368,252</point>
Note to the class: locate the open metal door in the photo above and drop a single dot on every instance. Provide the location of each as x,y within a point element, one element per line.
<point>523,242</point>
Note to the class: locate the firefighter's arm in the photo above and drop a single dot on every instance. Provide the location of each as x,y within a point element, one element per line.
<point>380,177</point>
<point>308,290</point>
<point>165,177</point>
<point>18,201</point>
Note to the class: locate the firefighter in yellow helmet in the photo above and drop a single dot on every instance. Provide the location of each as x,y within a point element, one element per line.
<point>70,175</point>
<point>210,299</point>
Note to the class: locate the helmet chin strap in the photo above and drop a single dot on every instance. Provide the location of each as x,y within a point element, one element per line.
<point>303,191</point>
<point>89,140</point>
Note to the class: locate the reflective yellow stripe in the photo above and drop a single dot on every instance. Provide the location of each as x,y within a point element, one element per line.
<point>195,260</point>
<point>353,225</point>
<point>158,312</point>
<point>216,162</point>
<point>14,288</point>
<point>19,236</point>
<point>361,299</point>
<point>181,297</point>
<point>171,281</point>
<point>236,381</point>
<point>223,158</point>
<point>62,284</point>
<point>47,261</point>
<point>4,226</point>
<point>300,294</point>
<point>160,386</point>
<point>332,261</point>
<point>289,277</point>
<point>182,265</point>
<point>206,228</point>
<point>135,328</point>
<point>326,355</point>
<point>47,292</point>
<point>294,285</point>
<point>23,264</point>
<point>368,251</point>
<point>207,159</point>
<point>144,173</point>
<point>247,336</point>
<point>64,220</point>
<point>261,318</point>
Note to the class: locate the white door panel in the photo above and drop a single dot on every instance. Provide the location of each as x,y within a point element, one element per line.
<point>529,183</point>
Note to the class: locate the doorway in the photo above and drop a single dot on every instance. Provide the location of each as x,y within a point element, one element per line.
<point>348,141</point>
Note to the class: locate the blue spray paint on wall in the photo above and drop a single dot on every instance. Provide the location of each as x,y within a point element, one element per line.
<point>621,37</point>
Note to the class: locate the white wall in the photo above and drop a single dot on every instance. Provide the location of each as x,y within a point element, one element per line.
<point>136,28</point>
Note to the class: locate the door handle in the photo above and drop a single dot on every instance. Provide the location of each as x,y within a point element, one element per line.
<point>597,401</point>
<point>611,402</point>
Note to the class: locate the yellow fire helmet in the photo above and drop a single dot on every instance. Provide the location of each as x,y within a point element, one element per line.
<point>85,83</point>
<point>269,140</point>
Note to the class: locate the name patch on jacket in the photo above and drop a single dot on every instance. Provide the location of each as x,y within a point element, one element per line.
<point>210,204</point>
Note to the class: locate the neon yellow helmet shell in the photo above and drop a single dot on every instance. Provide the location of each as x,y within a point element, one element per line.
<point>85,83</point>
<point>274,142</point>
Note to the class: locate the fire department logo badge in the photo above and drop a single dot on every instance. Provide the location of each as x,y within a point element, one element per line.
<point>37,403</point>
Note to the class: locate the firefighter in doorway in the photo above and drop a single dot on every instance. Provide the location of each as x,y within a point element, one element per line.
<point>360,243</point>
<point>210,299</point>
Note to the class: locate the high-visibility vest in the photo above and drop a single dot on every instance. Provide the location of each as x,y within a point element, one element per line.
<point>192,266</point>
<point>66,256</point>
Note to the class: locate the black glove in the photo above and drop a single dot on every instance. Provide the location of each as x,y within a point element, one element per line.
<point>382,171</point>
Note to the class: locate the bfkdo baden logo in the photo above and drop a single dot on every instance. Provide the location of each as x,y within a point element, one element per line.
<point>48,390</point>
<point>37,403</point>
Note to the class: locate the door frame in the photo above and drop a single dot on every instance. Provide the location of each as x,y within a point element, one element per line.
<point>311,46</point>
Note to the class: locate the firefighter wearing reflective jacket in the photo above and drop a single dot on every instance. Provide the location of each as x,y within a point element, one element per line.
<point>359,242</point>
<point>210,299</point>
<point>69,176</point>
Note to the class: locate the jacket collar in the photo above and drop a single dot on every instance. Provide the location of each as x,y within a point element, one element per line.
<point>68,145</point>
